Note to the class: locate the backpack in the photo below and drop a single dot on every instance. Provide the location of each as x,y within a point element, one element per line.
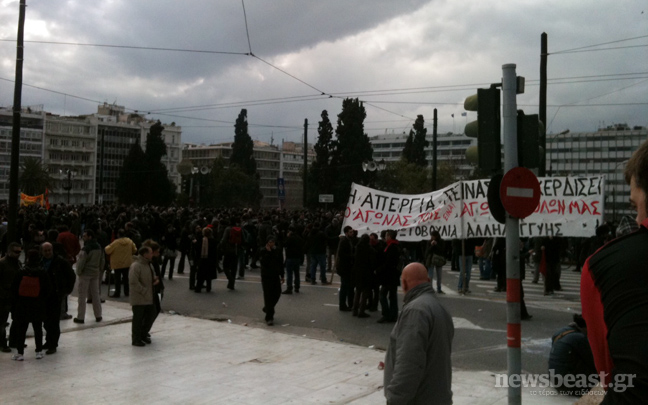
<point>29,287</point>
<point>235,236</point>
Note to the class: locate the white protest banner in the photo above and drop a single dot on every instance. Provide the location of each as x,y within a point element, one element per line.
<point>569,206</point>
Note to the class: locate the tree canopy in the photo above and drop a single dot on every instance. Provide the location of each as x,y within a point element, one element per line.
<point>352,148</point>
<point>34,176</point>
<point>144,179</point>
<point>243,146</point>
<point>229,187</point>
<point>321,175</point>
<point>414,151</point>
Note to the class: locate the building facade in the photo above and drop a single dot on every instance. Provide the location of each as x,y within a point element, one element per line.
<point>451,150</point>
<point>592,153</point>
<point>117,131</point>
<point>70,153</point>
<point>32,122</point>
<point>272,163</point>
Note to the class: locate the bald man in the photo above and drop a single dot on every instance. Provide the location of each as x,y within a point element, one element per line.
<point>62,278</point>
<point>418,369</point>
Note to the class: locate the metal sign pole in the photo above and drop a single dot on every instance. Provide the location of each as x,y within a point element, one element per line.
<point>513,330</point>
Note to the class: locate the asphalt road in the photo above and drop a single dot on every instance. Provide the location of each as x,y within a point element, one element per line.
<point>480,317</point>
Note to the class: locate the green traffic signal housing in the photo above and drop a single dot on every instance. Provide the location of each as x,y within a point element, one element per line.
<point>487,128</point>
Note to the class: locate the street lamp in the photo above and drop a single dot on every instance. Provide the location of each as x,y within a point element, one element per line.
<point>372,165</point>
<point>194,171</point>
<point>67,175</point>
<point>565,132</point>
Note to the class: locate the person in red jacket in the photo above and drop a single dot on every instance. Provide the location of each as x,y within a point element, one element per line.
<point>72,248</point>
<point>614,297</point>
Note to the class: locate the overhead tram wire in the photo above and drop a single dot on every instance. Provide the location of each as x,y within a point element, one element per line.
<point>145,48</point>
<point>247,31</point>
<point>584,48</point>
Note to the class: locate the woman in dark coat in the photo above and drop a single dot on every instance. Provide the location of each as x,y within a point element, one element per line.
<point>206,254</point>
<point>363,276</point>
<point>272,277</point>
<point>26,309</point>
<point>435,247</point>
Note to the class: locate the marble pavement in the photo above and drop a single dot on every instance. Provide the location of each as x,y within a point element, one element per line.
<point>197,361</point>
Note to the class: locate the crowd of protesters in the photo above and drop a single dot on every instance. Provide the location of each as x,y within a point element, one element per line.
<point>214,241</point>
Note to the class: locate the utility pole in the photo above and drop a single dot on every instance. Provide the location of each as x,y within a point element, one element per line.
<point>513,330</point>
<point>542,113</point>
<point>305,159</point>
<point>434,151</point>
<point>15,135</point>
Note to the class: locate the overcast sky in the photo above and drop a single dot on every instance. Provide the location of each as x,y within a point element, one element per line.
<point>403,58</point>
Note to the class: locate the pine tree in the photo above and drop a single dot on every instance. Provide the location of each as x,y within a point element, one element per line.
<point>352,148</point>
<point>131,184</point>
<point>159,189</point>
<point>321,174</point>
<point>419,143</point>
<point>408,150</point>
<point>243,146</point>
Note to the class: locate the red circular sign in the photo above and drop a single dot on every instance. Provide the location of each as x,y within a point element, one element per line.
<point>520,192</point>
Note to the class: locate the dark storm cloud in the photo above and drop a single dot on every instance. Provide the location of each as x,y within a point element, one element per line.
<point>340,47</point>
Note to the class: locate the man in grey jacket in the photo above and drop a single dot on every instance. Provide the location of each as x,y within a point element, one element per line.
<point>142,279</point>
<point>418,369</point>
<point>88,268</point>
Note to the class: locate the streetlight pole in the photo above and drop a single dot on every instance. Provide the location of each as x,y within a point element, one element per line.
<point>67,185</point>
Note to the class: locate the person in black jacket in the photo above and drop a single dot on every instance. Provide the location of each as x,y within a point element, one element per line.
<point>62,279</point>
<point>170,244</point>
<point>272,277</point>
<point>28,309</point>
<point>364,264</point>
<point>317,251</point>
<point>389,278</point>
<point>184,247</point>
<point>9,269</point>
<point>205,255</point>
<point>435,247</point>
<point>344,267</point>
<point>294,246</point>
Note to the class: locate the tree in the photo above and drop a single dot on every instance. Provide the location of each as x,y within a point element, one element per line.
<point>243,146</point>
<point>159,189</point>
<point>144,179</point>
<point>414,150</point>
<point>445,175</point>
<point>403,178</point>
<point>352,148</point>
<point>419,142</point>
<point>34,176</point>
<point>132,181</point>
<point>230,187</point>
<point>408,151</point>
<point>407,178</point>
<point>321,175</point>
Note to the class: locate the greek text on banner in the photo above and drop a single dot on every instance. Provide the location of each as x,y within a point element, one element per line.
<point>569,206</point>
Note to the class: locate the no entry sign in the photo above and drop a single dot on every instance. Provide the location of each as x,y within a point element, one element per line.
<point>520,192</point>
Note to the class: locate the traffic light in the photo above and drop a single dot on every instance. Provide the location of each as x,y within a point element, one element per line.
<point>486,129</point>
<point>528,131</point>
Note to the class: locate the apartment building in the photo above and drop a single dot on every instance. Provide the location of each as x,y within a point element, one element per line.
<point>32,122</point>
